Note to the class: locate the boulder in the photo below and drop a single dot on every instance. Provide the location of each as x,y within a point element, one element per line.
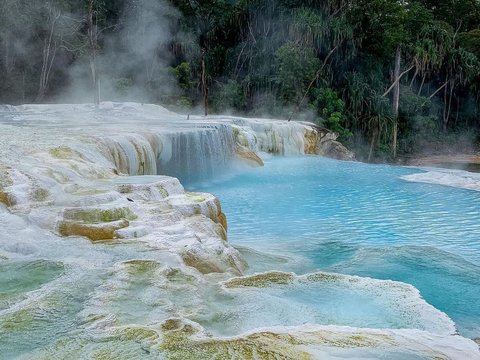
<point>5,199</point>
<point>329,146</point>
<point>95,232</point>
<point>248,156</point>
<point>95,223</point>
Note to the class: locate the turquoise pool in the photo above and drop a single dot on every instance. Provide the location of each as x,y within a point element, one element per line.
<point>310,213</point>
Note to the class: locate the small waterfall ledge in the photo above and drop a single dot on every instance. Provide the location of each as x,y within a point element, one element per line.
<point>75,171</point>
<point>111,175</point>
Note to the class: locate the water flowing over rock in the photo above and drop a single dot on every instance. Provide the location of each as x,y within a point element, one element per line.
<point>380,303</point>
<point>127,264</point>
<point>186,340</point>
<point>69,175</point>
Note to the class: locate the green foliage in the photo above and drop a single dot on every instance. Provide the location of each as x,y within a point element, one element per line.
<point>412,104</point>
<point>183,103</point>
<point>382,23</point>
<point>183,75</point>
<point>265,58</point>
<point>123,85</point>
<point>229,96</point>
<point>464,13</point>
<point>297,66</point>
<point>308,27</point>
<point>462,65</point>
<point>332,112</point>
<point>422,131</point>
<point>471,41</point>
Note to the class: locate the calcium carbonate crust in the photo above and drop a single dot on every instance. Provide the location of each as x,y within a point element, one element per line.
<point>78,173</point>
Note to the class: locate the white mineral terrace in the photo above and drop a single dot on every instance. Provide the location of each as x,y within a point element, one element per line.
<point>448,177</point>
<point>130,265</point>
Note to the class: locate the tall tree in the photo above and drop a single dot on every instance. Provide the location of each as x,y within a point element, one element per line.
<point>92,36</point>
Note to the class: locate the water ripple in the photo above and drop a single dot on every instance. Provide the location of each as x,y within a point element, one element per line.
<point>424,234</point>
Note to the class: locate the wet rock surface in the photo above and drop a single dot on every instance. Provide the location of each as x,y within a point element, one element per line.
<point>77,177</point>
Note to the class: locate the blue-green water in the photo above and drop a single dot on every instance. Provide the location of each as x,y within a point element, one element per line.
<point>354,218</point>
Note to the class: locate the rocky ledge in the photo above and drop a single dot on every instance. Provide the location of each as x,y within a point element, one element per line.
<point>72,169</point>
<point>147,256</point>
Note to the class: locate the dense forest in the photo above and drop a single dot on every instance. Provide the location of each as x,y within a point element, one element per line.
<point>392,77</point>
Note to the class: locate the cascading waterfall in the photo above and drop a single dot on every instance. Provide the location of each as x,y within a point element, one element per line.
<point>133,154</point>
<point>157,271</point>
<point>197,154</point>
<point>190,155</point>
<point>282,137</point>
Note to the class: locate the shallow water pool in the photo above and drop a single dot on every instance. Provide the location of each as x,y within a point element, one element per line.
<point>311,213</point>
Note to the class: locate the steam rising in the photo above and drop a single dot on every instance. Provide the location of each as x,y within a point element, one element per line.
<point>132,60</point>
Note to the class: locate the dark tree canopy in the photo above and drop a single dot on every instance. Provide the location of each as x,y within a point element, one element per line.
<point>386,75</point>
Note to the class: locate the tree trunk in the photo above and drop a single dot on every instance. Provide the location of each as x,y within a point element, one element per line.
<point>23,86</point>
<point>372,144</point>
<point>414,77</point>
<point>448,105</point>
<point>457,114</point>
<point>421,85</point>
<point>93,44</point>
<point>396,99</point>
<point>49,52</point>
<point>95,81</point>
<point>9,55</point>
<point>204,83</point>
